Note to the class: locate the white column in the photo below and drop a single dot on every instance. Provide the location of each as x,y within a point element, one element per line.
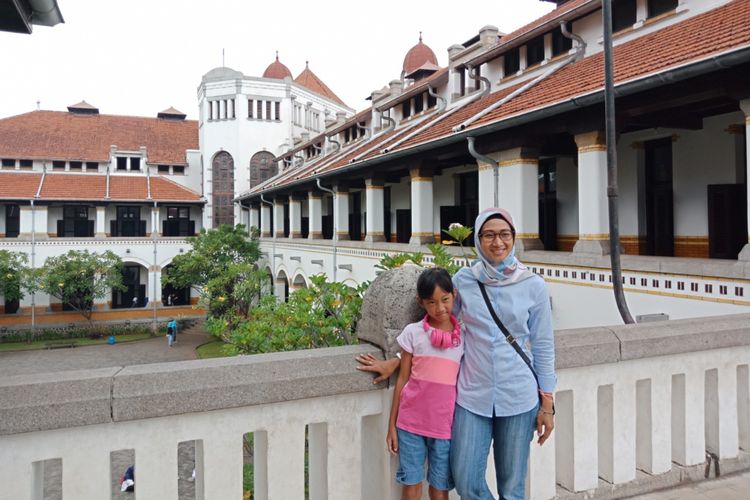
<point>374,210</point>
<point>154,286</point>
<point>101,222</point>
<point>345,458</point>
<point>265,220</point>
<point>653,427</point>
<point>593,224</point>
<point>295,217</point>
<point>278,217</point>
<point>688,417</point>
<point>486,185</point>
<point>745,106</point>
<point>286,462</point>
<point>617,432</point>
<point>254,217</point>
<point>155,222</point>
<point>721,411</point>
<point>315,216</point>
<point>422,230</point>
<point>518,186</point>
<point>223,477</point>
<point>341,213</point>
<point>576,436</point>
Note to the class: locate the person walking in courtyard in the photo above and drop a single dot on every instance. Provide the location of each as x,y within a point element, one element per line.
<point>507,375</point>
<point>171,332</point>
<point>419,427</point>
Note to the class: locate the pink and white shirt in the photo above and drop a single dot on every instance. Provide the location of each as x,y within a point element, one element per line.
<point>429,397</point>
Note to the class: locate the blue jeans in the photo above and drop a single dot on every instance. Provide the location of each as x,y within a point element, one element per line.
<point>413,450</point>
<point>470,446</point>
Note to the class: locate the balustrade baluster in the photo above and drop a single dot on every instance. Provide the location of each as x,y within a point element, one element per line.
<point>721,411</point>
<point>86,474</point>
<point>155,469</point>
<point>345,456</point>
<point>688,419</point>
<point>653,428</point>
<point>743,406</point>
<point>286,459</point>
<point>222,459</point>
<point>541,480</point>
<point>617,431</point>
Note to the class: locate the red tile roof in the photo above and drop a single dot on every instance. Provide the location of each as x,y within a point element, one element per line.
<point>418,56</point>
<point>310,81</point>
<point>18,186</point>
<point>277,70</point>
<point>68,136</point>
<point>92,187</point>
<point>722,29</point>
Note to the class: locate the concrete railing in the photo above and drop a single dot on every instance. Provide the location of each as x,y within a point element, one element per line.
<point>634,404</point>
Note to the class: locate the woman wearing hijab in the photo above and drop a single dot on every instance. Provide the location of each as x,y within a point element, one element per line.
<point>500,400</point>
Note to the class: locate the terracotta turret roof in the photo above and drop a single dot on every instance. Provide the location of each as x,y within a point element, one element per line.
<point>310,81</point>
<point>83,107</point>
<point>277,70</point>
<point>418,56</point>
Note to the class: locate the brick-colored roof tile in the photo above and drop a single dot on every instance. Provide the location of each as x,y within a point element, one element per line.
<point>18,186</point>
<point>68,136</point>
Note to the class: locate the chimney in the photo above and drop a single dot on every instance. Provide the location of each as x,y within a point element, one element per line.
<point>396,87</point>
<point>340,117</point>
<point>488,36</point>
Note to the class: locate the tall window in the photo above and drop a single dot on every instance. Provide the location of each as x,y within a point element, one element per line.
<point>75,223</point>
<point>128,222</point>
<point>223,189</point>
<point>535,51</point>
<point>12,221</point>
<point>262,167</point>
<point>178,222</point>
<point>561,43</point>
<point>623,14</point>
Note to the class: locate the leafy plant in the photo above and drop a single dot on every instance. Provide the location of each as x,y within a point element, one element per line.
<point>14,275</point>
<point>443,258</point>
<point>459,233</point>
<point>322,315</point>
<point>399,259</point>
<point>79,277</point>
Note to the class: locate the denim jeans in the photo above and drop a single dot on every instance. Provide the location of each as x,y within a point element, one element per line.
<point>470,446</point>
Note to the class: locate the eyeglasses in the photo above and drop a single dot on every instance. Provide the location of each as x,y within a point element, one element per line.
<point>488,236</point>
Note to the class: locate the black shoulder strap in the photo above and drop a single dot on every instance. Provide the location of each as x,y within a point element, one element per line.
<point>508,336</point>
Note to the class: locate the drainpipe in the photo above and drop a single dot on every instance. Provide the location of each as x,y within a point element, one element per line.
<point>391,122</point>
<point>335,226</point>
<point>474,75</point>
<point>366,130</point>
<point>612,186</point>
<point>442,101</point>
<point>336,144</point>
<point>273,233</point>
<point>33,264</point>
<point>495,170</point>
<point>155,219</point>
<point>299,157</point>
<point>574,57</point>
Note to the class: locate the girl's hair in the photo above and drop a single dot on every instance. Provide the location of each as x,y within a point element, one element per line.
<point>430,278</point>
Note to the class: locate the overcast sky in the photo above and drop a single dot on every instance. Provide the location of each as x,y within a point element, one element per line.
<point>138,57</point>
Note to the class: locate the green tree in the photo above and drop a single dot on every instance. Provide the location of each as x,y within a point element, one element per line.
<point>322,315</point>
<point>14,275</point>
<point>222,267</point>
<point>79,277</point>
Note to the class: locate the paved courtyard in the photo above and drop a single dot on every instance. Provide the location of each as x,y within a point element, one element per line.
<point>732,487</point>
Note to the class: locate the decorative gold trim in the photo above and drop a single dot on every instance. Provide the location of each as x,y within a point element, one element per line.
<point>484,166</point>
<point>596,148</point>
<point>342,232</point>
<point>527,236</point>
<point>421,179</point>
<point>375,233</point>
<point>747,120</point>
<point>653,292</point>
<point>518,161</point>
<point>415,233</point>
<point>594,237</point>
<point>374,188</point>
<point>735,129</point>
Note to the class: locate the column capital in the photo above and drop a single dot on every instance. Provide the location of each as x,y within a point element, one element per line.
<point>591,141</point>
<point>745,107</point>
<point>420,174</point>
<point>298,197</point>
<point>519,155</point>
<point>374,183</point>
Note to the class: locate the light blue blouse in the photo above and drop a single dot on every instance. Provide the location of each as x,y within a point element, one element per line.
<point>493,376</point>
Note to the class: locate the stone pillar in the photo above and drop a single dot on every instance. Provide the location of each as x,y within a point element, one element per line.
<point>254,217</point>
<point>518,193</point>
<point>278,217</point>
<point>341,212</point>
<point>374,210</point>
<point>315,215</point>
<point>295,216</point>
<point>36,223</point>
<point>101,222</point>
<point>593,223</point>
<point>155,222</point>
<point>422,230</point>
<point>265,220</point>
<point>745,106</point>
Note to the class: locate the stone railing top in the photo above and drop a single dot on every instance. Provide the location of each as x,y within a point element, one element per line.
<point>30,403</point>
<point>720,268</point>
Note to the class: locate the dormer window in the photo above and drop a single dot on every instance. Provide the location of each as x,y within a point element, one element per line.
<point>659,7</point>
<point>535,51</point>
<point>58,165</point>
<point>128,163</point>
<point>512,62</point>
<point>560,43</point>
<point>623,14</point>
<point>406,109</point>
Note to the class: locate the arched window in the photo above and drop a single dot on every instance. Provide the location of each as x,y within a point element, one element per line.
<point>223,189</point>
<point>262,167</point>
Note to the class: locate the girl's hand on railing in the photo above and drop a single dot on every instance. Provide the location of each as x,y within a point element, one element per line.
<point>383,369</point>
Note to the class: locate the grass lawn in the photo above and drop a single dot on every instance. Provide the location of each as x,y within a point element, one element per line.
<point>40,344</point>
<point>213,349</point>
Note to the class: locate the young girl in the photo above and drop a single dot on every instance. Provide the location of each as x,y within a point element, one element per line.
<point>425,393</point>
